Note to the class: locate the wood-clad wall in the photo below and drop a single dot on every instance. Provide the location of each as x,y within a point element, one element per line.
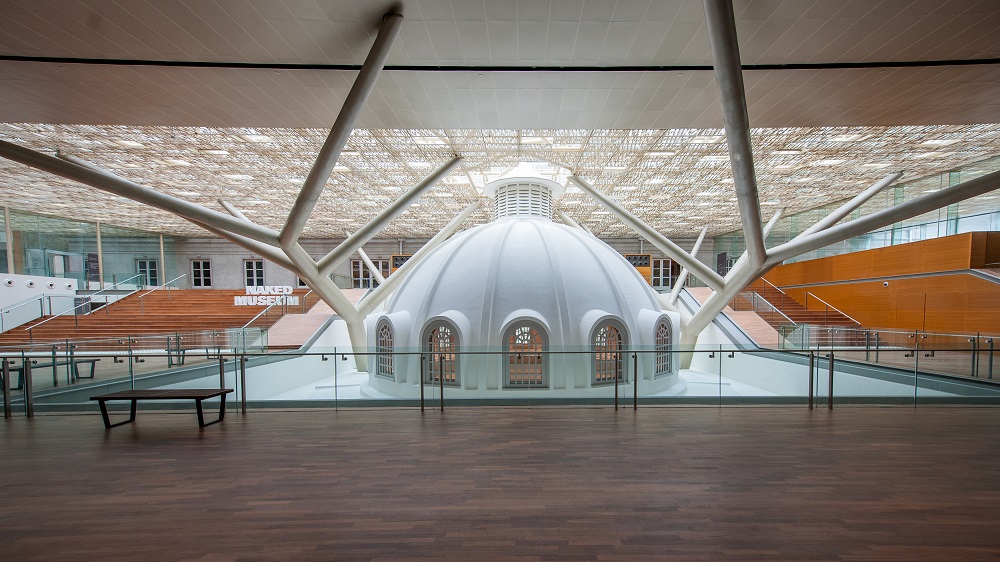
<point>854,283</point>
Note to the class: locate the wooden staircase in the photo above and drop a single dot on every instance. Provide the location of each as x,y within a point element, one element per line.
<point>777,308</point>
<point>158,312</point>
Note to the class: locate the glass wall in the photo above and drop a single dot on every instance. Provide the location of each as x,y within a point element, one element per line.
<point>57,247</point>
<point>973,215</point>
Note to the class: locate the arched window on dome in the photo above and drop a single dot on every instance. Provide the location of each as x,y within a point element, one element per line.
<point>441,342</point>
<point>609,352</point>
<point>662,342</point>
<point>525,365</point>
<point>385,364</point>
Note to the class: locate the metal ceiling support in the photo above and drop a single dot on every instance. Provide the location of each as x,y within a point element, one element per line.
<point>313,186</point>
<point>729,76</point>
<point>682,277</point>
<point>741,262</point>
<point>372,300</point>
<point>376,274</point>
<point>105,181</point>
<point>328,262</point>
<point>265,251</point>
<point>847,208</point>
<point>567,219</point>
<point>233,210</point>
<point>885,217</point>
<point>331,294</point>
<point>673,251</point>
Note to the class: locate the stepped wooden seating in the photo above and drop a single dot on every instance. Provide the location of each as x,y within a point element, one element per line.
<point>159,312</point>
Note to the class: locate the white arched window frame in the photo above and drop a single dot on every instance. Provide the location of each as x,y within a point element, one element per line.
<point>526,364</point>
<point>441,341</point>
<point>385,365</point>
<point>662,343</point>
<point>608,342</point>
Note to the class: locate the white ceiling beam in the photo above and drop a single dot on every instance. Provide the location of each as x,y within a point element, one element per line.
<point>306,200</point>
<point>729,76</point>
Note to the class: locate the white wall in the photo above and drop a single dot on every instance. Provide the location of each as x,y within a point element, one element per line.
<point>15,289</point>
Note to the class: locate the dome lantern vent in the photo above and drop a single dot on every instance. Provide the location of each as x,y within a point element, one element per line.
<point>523,197</point>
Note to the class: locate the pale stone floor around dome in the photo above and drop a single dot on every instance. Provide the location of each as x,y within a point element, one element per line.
<point>695,383</point>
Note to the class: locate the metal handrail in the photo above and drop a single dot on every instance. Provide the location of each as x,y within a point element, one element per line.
<point>304,298</point>
<point>262,312</point>
<point>90,298</point>
<point>776,309</point>
<point>28,301</point>
<point>828,305</point>
<point>115,283</point>
<point>158,287</point>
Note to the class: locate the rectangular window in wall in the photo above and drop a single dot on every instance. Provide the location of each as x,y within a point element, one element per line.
<point>254,273</point>
<point>201,273</point>
<point>662,273</point>
<point>149,271</point>
<point>361,277</point>
<point>300,283</point>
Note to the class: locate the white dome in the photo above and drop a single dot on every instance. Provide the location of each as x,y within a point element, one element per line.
<point>526,268</point>
<point>540,292</point>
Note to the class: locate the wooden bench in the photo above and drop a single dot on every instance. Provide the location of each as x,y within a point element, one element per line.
<point>196,394</point>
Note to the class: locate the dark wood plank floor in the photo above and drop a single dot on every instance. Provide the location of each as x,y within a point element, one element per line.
<point>495,483</point>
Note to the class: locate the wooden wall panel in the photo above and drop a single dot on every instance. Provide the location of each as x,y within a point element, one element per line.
<point>991,256</point>
<point>958,302</point>
<point>948,253</point>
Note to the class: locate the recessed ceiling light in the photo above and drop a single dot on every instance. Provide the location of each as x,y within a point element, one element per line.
<point>418,164</point>
<point>176,162</point>
<point>129,144</point>
<point>534,140</point>
<point>657,181</point>
<point>214,151</point>
<point>615,167</point>
<point>237,177</point>
<point>350,153</point>
<point>255,138</point>
<point>428,140</point>
<point>849,137</point>
<point>873,165</point>
<point>785,167</point>
<point>661,153</point>
<point>829,162</point>
<point>716,158</point>
<point>706,139</point>
<point>933,154</point>
<point>769,203</point>
<point>788,151</point>
<point>939,142</point>
<point>627,187</point>
<point>567,146</point>
<point>340,168</point>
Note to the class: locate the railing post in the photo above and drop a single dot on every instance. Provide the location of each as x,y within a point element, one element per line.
<point>29,396</point>
<point>635,381</point>
<point>989,364</point>
<point>243,383</point>
<point>5,368</point>
<point>222,370</point>
<point>441,377</point>
<point>55,371</point>
<point>131,372</point>
<point>829,401</point>
<point>617,377</point>
<point>812,374</point>
<point>975,355</point>
<point>422,381</point>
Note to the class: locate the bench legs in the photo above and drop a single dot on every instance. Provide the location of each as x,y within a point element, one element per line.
<point>107,420</point>
<point>131,418</point>
<point>201,416</point>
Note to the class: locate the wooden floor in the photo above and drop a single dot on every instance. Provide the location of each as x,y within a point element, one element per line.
<point>678,483</point>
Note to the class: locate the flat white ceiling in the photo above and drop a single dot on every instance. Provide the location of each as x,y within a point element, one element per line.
<point>619,77</point>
